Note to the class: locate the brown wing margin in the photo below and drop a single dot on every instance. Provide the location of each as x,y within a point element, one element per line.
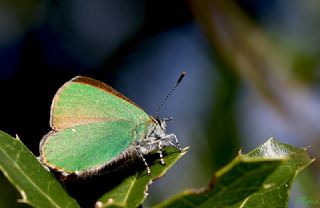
<point>103,86</point>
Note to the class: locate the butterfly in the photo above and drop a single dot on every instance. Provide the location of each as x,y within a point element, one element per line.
<point>94,127</point>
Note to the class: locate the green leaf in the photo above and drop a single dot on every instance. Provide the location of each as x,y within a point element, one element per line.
<point>132,191</point>
<point>261,178</point>
<point>36,185</point>
<point>9,195</point>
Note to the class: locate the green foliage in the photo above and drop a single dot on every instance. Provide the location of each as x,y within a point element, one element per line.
<point>9,195</point>
<point>132,191</point>
<point>37,186</point>
<point>261,178</point>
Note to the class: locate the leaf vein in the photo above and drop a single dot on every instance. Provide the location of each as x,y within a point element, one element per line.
<point>26,176</point>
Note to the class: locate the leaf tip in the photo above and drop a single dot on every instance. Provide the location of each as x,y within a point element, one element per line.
<point>99,204</point>
<point>184,150</point>
<point>17,137</point>
<point>24,197</point>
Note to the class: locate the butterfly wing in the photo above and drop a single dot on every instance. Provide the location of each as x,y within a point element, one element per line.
<point>85,100</point>
<point>87,147</point>
<point>92,124</point>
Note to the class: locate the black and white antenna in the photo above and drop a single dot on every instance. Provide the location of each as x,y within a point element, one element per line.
<point>168,95</point>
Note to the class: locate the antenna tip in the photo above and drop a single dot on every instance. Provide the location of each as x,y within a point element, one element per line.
<point>181,77</point>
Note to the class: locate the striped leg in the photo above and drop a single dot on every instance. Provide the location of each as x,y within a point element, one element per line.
<point>160,152</point>
<point>177,142</point>
<point>144,161</point>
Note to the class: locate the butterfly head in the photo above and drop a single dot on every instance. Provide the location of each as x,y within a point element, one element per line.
<point>162,122</point>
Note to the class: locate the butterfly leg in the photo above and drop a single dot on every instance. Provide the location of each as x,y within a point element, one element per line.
<point>157,144</point>
<point>160,152</point>
<point>143,160</point>
<point>177,142</point>
<point>176,145</point>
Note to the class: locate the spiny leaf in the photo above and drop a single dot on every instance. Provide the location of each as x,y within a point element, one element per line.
<point>132,191</point>
<point>37,186</point>
<point>261,178</point>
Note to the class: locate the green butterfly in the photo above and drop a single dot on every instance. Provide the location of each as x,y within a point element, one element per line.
<point>94,127</point>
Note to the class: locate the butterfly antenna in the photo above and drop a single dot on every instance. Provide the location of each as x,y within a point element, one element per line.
<point>168,95</point>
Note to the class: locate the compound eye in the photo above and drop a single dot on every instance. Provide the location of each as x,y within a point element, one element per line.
<point>158,121</point>
<point>161,122</point>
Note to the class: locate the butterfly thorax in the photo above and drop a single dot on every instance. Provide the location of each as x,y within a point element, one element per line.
<point>156,137</point>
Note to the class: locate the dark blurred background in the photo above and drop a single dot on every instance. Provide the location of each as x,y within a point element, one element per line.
<point>252,73</point>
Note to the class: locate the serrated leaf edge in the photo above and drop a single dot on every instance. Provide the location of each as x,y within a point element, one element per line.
<point>99,204</point>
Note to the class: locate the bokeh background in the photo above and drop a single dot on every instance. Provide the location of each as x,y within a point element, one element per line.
<point>252,73</point>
